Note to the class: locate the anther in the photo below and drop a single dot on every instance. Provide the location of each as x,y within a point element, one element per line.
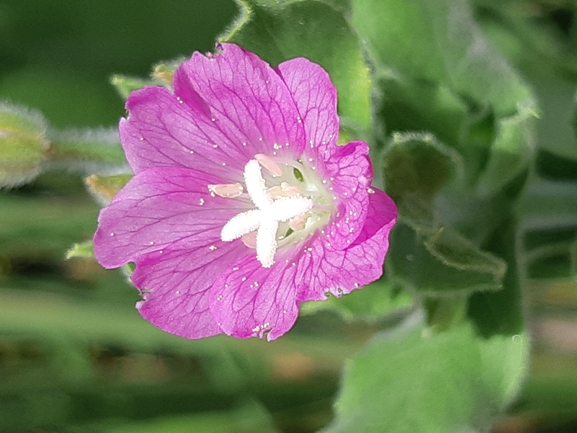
<point>226,190</point>
<point>249,240</point>
<point>299,222</point>
<point>269,164</point>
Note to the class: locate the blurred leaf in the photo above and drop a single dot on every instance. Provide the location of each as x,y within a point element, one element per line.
<point>535,35</point>
<point>104,188</point>
<point>437,47</point>
<point>417,105</point>
<point>23,144</point>
<point>511,152</point>
<point>548,227</point>
<point>550,399</point>
<point>573,255</point>
<point>437,262</point>
<point>412,381</point>
<point>445,46</point>
<point>44,226</point>
<point>555,167</point>
<point>501,312</point>
<point>33,409</point>
<point>317,31</point>
<point>47,316</point>
<point>557,128</point>
<point>370,303</point>
<point>64,96</point>
<point>250,418</point>
<point>415,167</point>
<point>426,255</point>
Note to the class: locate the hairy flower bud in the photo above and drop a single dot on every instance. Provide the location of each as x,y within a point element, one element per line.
<point>23,145</point>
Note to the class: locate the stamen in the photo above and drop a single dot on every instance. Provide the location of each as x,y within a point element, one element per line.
<point>284,190</point>
<point>227,190</point>
<point>249,240</point>
<point>299,222</point>
<point>275,192</point>
<point>291,189</point>
<point>269,164</point>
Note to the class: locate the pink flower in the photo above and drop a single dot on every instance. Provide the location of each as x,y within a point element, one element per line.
<point>242,205</point>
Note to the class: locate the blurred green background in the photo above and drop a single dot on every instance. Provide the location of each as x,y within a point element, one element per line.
<point>75,356</point>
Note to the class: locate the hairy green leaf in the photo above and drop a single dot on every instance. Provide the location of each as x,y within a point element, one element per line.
<point>416,166</point>
<point>414,381</point>
<point>437,262</point>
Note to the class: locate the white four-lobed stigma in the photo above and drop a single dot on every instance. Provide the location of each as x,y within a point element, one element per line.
<point>266,217</point>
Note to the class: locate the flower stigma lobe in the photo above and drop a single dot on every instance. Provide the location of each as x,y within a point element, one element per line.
<point>282,208</point>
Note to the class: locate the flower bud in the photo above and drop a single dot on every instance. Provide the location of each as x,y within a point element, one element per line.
<point>23,145</point>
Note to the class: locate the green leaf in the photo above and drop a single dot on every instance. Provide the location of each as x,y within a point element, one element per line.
<point>548,228</point>
<point>438,41</point>
<point>439,261</point>
<point>437,48</point>
<point>415,167</point>
<point>557,127</point>
<point>427,255</point>
<point>315,30</point>
<point>23,144</point>
<point>249,418</point>
<point>573,255</point>
<point>412,381</point>
<point>501,313</point>
<point>417,105</point>
<point>511,152</point>
<point>370,303</point>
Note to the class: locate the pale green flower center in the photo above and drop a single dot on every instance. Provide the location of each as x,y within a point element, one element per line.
<point>290,203</point>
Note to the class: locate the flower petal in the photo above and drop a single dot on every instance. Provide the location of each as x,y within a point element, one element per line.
<point>323,269</point>
<point>161,208</point>
<point>351,173</point>
<point>316,99</point>
<point>175,288</point>
<point>160,131</point>
<point>249,300</point>
<point>248,101</point>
